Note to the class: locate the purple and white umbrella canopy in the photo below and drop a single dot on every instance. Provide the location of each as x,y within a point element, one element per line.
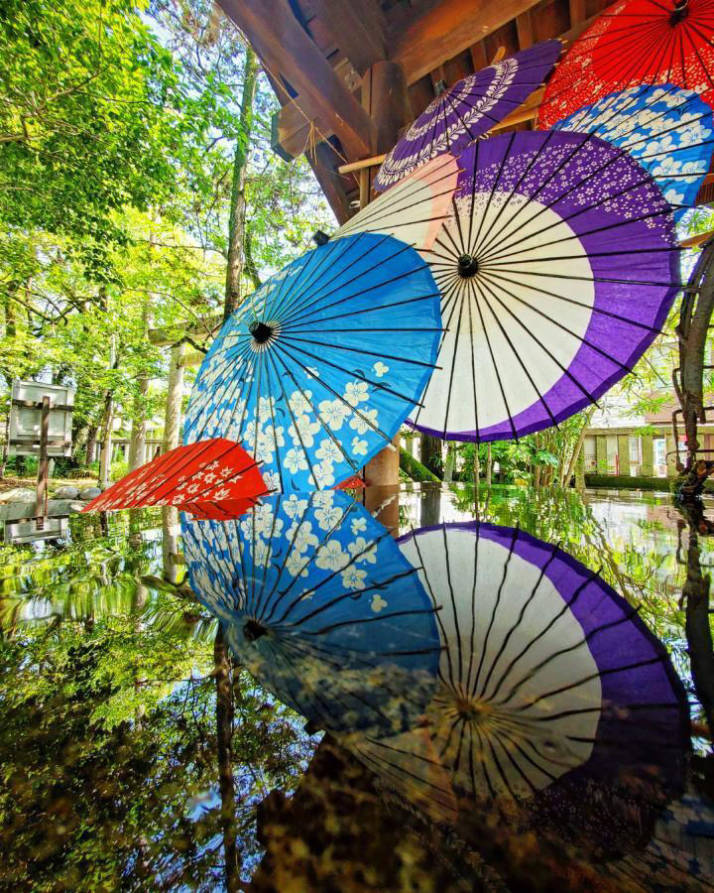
<point>557,268</point>
<point>549,686</point>
<point>468,110</point>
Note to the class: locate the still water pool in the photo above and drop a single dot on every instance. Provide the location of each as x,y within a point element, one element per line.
<point>437,690</point>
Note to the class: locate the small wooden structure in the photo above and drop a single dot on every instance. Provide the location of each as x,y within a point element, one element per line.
<point>40,425</point>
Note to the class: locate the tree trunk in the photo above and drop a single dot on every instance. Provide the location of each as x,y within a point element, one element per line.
<point>236,219</point>
<point>91,446</point>
<point>450,462</point>
<point>105,457</point>
<point>695,317</point>
<point>174,398</point>
<point>170,530</point>
<point>137,444</point>
<point>224,734</point>
<point>577,449</point>
<point>698,630</point>
<point>431,454</point>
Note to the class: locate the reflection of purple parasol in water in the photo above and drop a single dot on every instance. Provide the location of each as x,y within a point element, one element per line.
<point>555,703</point>
<point>468,110</point>
<point>556,269</point>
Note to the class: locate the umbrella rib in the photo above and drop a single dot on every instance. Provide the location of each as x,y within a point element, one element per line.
<point>473,375</point>
<point>505,251</point>
<point>685,32</point>
<point>436,606</point>
<point>513,349</point>
<point>447,295</point>
<point>310,289</point>
<point>477,689</point>
<point>625,618</point>
<point>370,353</point>
<point>452,598</point>
<point>352,464</point>
<point>460,300</point>
<point>282,593</point>
<point>592,308</point>
<point>353,372</point>
<point>567,605</point>
<point>228,396</point>
<point>494,233</point>
<point>376,308</point>
<point>415,612</point>
<point>276,356</point>
<point>519,619</point>
<point>495,369</point>
<point>553,321</point>
<point>339,396</point>
<point>354,558</point>
<point>300,309</point>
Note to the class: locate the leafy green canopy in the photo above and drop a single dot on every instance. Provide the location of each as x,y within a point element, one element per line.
<point>88,119</point>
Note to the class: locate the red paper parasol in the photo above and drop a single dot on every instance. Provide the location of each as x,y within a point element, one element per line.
<point>207,471</point>
<point>635,42</point>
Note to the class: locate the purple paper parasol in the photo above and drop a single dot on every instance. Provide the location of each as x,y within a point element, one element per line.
<point>557,269</point>
<point>555,706</point>
<point>468,110</point>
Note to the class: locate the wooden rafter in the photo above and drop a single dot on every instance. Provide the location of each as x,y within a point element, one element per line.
<point>286,49</point>
<point>450,28</point>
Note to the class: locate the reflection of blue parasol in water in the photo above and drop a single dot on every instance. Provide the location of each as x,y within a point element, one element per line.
<point>553,697</point>
<point>317,370</point>
<point>322,607</point>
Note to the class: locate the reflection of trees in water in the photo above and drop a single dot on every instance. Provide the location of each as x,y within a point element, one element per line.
<point>110,759</point>
<point>695,597</point>
<point>112,738</point>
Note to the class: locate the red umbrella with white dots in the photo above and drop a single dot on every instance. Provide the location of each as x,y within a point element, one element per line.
<point>208,471</point>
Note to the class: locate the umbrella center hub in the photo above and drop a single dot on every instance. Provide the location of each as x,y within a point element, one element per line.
<point>262,332</point>
<point>253,630</point>
<point>680,12</point>
<point>467,266</point>
<point>472,709</point>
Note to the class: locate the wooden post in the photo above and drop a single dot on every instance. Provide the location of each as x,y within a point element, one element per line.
<point>386,100</point>
<point>647,467</point>
<point>623,452</point>
<point>43,466</point>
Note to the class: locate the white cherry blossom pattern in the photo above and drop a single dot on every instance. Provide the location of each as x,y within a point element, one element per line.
<point>667,129</point>
<point>319,603</point>
<point>292,374</point>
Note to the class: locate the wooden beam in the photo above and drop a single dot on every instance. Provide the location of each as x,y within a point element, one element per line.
<point>361,43</point>
<point>524,29</point>
<point>287,51</point>
<point>450,28</point>
<point>577,12</point>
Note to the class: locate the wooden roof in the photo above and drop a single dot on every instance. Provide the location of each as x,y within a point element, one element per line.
<point>317,51</point>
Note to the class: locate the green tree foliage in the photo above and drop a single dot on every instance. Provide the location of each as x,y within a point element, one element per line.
<point>109,689</point>
<point>83,123</point>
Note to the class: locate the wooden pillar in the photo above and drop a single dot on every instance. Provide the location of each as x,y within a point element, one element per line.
<point>174,398</point>
<point>623,452</point>
<point>386,100</point>
<point>43,466</point>
<point>647,469</point>
<point>601,454</point>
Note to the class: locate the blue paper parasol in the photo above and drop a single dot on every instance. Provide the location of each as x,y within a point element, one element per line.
<point>667,129</point>
<point>321,606</point>
<point>317,370</point>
